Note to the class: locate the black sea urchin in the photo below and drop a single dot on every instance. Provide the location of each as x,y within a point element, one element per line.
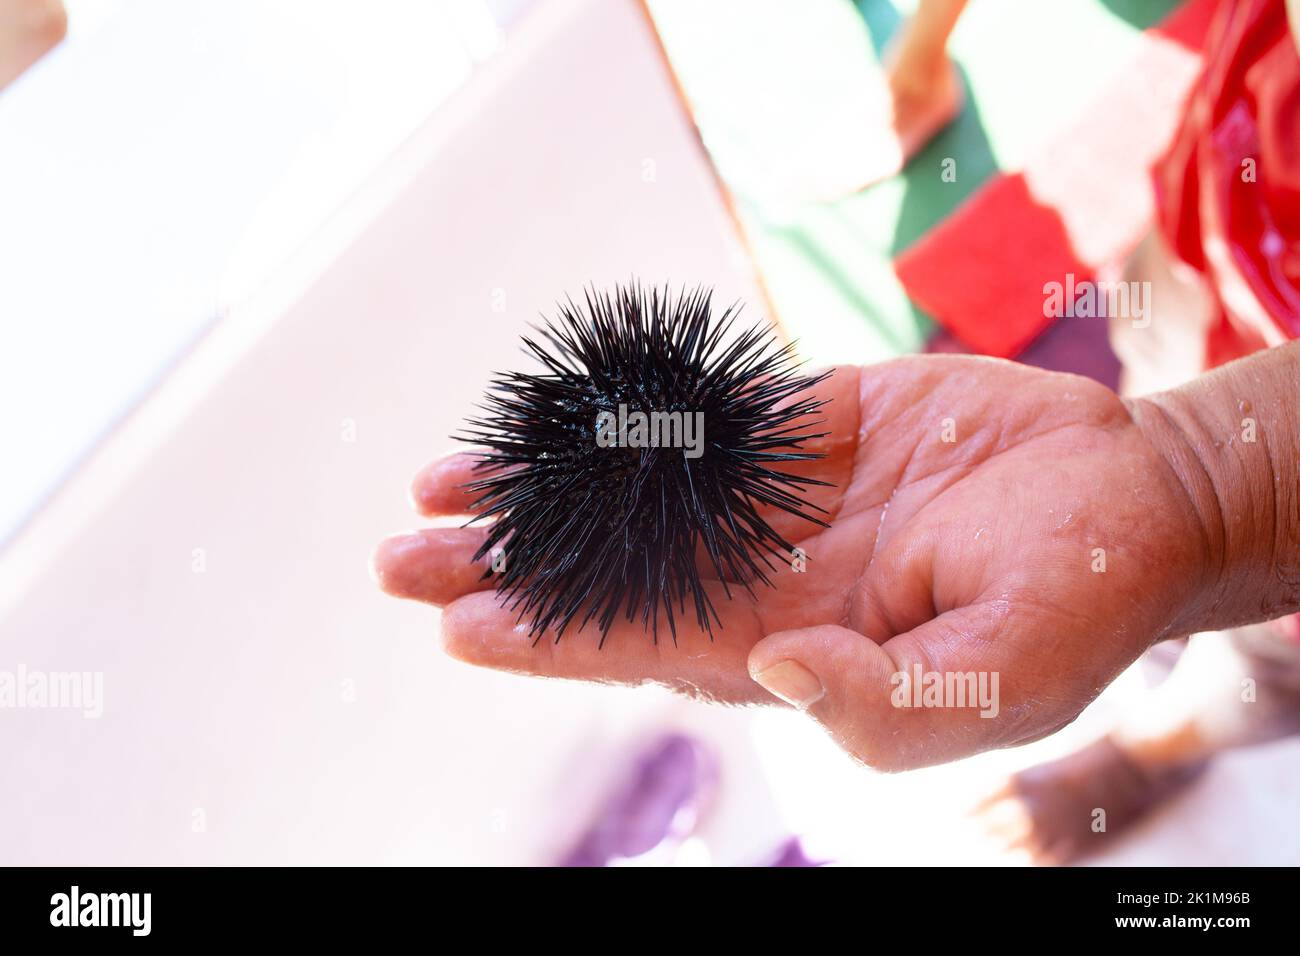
<point>651,432</point>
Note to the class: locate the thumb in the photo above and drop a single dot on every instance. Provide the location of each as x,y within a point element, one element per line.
<point>918,699</point>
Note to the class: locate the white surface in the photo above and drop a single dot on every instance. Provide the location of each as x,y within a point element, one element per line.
<point>160,163</point>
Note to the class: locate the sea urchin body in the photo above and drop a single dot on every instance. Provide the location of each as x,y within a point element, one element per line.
<point>640,461</point>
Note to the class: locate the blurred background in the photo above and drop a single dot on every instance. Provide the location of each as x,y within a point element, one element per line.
<point>257,261</point>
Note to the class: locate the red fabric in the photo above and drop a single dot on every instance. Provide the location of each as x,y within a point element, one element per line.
<point>1244,110</point>
<point>980,273</point>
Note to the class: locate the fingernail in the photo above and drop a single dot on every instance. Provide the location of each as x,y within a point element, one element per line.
<point>792,682</point>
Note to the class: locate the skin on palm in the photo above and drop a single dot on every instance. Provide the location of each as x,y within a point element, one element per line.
<point>970,497</point>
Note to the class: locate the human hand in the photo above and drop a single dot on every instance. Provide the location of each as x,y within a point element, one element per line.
<point>986,518</point>
<point>28,30</point>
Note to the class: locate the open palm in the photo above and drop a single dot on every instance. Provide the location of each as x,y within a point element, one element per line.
<point>986,518</point>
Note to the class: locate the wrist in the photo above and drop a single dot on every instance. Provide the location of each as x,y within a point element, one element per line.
<point>1229,444</point>
<point>1196,495</point>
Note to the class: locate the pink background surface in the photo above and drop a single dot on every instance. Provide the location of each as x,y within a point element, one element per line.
<point>226,691</point>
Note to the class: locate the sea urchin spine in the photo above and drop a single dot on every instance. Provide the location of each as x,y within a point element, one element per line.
<point>642,454</point>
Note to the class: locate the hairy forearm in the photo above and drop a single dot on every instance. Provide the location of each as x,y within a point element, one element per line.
<point>1232,442</point>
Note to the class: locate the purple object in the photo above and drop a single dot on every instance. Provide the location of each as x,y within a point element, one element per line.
<point>792,854</point>
<point>1070,344</point>
<point>659,805</point>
